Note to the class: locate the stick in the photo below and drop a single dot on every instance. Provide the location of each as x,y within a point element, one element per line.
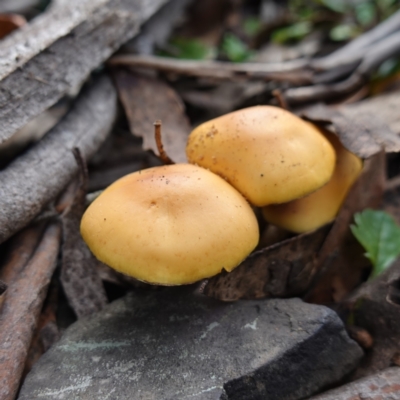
<point>162,154</point>
<point>22,305</point>
<point>37,177</point>
<point>58,50</point>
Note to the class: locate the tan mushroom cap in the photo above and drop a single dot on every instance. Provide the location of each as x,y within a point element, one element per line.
<point>170,225</point>
<point>268,154</point>
<point>320,207</point>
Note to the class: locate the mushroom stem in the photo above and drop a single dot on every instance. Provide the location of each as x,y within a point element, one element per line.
<point>162,153</point>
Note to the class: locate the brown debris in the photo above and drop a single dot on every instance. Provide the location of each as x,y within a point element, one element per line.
<point>317,261</point>
<point>358,131</point>
<point>79,278</point>
<point>342,265</point>
<point>368,308</point>
<point>145,100</point>
<point>9,23</point>
<point>23,302</point>
<point>361,336</point>
<point>281,270</point>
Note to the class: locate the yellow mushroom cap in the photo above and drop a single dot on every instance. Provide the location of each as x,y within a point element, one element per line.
<point>267,153</point>
<point>320,207</point>
<point>170,225</point>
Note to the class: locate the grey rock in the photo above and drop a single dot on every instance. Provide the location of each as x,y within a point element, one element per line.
<point>173,344</point>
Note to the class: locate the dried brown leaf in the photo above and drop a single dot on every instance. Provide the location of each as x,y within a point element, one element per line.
<point>284,269</point>
<point>147,99</point>
<point>342,264</point>
<point>9,23</point>
<point>324,256</point>
<point>360,132</point>
<point>81,282</point>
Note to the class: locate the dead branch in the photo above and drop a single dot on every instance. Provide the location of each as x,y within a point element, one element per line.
<point>81,283</point>
<point>357,59</point>
<point>58,50</point>
<point>24,299</point>
<point>289,71</point>
<point>36,178</point>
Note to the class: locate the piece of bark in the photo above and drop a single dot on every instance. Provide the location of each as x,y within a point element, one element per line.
<point>360,132</point>
<point>342,265</point>
<point>38,176</point>
<point>145,100</point>
<point>369,308</point>
<point>58,50</point>
<point>46,333</point>
<point>281,270</point>
<point>381,386</point>
<point>156,31</point>
<point>81,283</point>
<point>22,305</point>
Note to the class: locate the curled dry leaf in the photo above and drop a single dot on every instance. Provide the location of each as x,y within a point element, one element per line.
<point>342,265</point>
<point>281,270</point>
<point>147,99</point>
<point>359,133</point>
<point>9,23</point>
<point>289,268</point>
<point>81,283</point>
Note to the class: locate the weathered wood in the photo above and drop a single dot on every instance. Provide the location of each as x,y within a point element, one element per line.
<point>34,179</point>
<point>57,52</point>
<point>22,305</point>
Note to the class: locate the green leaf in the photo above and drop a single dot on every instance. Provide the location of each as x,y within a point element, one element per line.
<point>292,32</point>
<point>343,32</point>
<point>365,13</point>
<point>338,6</point>
<point>251,26</point>
<point>379,234</point>
<point>185,48</point>
<point>235,49</point>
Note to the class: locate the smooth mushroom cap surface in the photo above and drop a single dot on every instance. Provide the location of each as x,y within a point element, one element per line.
<point>269,154</point>
<point>322,206</point>
<point>170,225</point>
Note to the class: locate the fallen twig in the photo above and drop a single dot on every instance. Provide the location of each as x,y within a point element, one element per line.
<point>357,59</point>
<point>36,178</point>
<point>23,302</point>
<point>56,52</point>
<point>81,283</point>
<point>289,71</point>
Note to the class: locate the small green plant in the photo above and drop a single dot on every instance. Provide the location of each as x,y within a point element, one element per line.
<point>234,48</point>
<point>187,48</point>
<point>379,234</point>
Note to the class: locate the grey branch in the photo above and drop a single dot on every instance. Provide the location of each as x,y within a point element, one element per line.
<point>57,51</point>
<point>34,179</point>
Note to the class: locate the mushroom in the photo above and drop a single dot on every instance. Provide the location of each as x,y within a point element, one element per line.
<point>267,153</point>
<point>320,207</point>
<point>170,225</point>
